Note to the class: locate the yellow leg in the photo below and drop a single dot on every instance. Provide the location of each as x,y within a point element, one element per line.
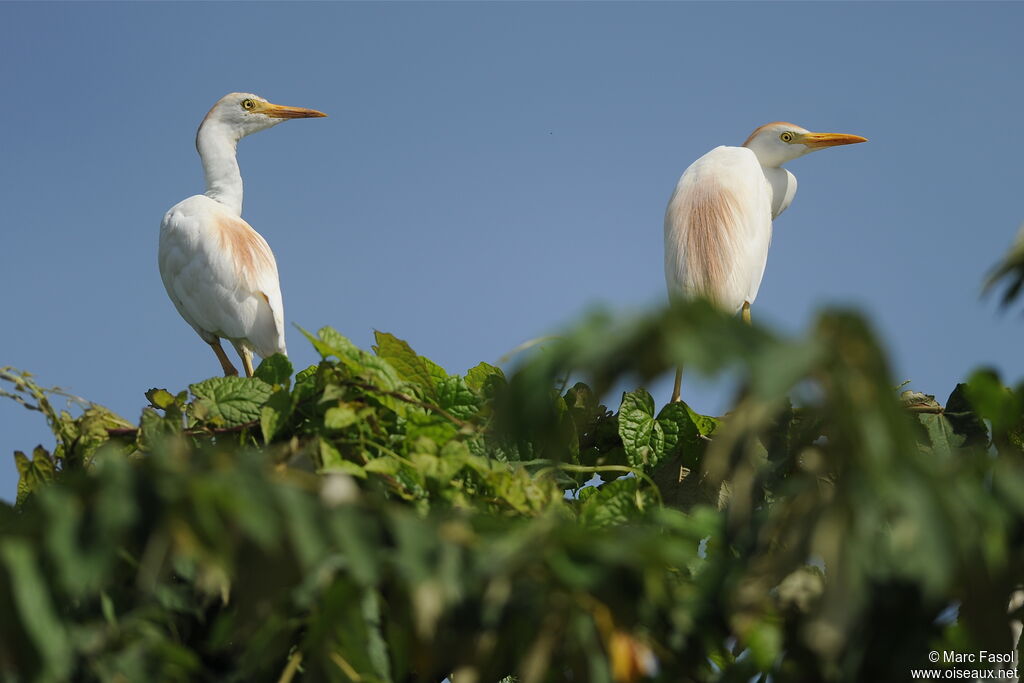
<point>675,389</point>
<point>746,312</point>
<point>246,360</point>
<point>225,362</point>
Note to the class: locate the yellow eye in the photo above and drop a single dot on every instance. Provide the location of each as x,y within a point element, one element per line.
<point>248,104</point>
<point>787,137</point>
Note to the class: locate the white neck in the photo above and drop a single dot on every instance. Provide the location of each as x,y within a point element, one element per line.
<point>216,144</point>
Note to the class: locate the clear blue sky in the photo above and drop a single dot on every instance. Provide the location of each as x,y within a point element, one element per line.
<point>490,171</point>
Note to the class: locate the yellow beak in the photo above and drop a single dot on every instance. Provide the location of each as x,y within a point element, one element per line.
<point>816,140</point>
<point>280,111</point>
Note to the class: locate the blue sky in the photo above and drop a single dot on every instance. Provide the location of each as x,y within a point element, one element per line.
<point>488,172</point>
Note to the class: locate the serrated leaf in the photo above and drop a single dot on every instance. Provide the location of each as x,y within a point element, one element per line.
<point>363,365</point>
<point>457,398</point>
<point>409,365</point>
<point>478,375</point>
<point>275,369</point>
<point>231,401</point>
<point>437,373</point>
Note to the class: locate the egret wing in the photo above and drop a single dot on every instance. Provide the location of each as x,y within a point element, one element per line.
<point>718,226</point>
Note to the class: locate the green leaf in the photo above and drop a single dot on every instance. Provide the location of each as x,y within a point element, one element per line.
<point>455,396</point>
<point>341,416</point>
<point>429,425</point>
<point>941,434</point>
<point>230,401</point>
<point>685,431</point>
<point>781,365</point>
<point>616,502</point>
<point>34,606</point>
<point>364,366</point>
<point>998,404</point>
<point>958,426</point>
<point>157,428</point>
<point>478,376</point>
<point>406,362</point>
<point>274,413</point>
<point>765,642</point>
<point>331,460</point>
<point>306,375</point>
<point>964,420</point>
<point>160,398</point>
<point>642,437</point>
<point>275,369</point>
<point>33,474</point>
<point>26,480</point>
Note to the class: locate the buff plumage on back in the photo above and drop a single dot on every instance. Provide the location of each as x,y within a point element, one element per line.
<point>718,221</point>
<point>222,276</point>
<point>257,273</point>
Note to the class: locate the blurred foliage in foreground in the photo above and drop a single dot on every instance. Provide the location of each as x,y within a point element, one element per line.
<point>375,518</point>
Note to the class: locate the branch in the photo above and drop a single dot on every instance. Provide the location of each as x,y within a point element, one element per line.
<point>132,431</point>
<point>925,408</point>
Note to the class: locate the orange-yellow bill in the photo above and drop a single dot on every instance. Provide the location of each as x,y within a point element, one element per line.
<point>280,111</point>
<point>815,140</point>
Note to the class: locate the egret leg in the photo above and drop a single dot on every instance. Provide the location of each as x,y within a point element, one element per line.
<point>225,362</point>
<point>246,360</point>
<point>746,312</point>
<point>675,389</point>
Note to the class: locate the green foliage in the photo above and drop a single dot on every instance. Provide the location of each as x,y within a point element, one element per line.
<point>377,518</point>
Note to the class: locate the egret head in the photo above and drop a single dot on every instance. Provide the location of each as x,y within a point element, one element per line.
<point>779,142</point>
<point>240,114</point>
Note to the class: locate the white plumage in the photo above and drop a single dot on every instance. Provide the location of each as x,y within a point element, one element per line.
<point>718,224</point>
<point>718,227</point>
<point>220,273</point>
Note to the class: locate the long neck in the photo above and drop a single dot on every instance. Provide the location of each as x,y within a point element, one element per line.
<point>216,146</point>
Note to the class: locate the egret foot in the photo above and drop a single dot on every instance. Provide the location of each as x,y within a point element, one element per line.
<point>746,312</point>
<point>225,362</point>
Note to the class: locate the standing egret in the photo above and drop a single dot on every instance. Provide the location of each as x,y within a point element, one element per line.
<point>218,271</point>
<point>718,223</point>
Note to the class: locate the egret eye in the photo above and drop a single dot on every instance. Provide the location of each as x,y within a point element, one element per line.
<point>787,137</point>
<point>248,104</point>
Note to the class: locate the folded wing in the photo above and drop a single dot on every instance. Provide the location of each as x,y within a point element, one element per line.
<point>718,226</point>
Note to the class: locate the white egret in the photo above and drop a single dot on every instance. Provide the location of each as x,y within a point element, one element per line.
<point>718,223</point>
<point>218,271</point>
